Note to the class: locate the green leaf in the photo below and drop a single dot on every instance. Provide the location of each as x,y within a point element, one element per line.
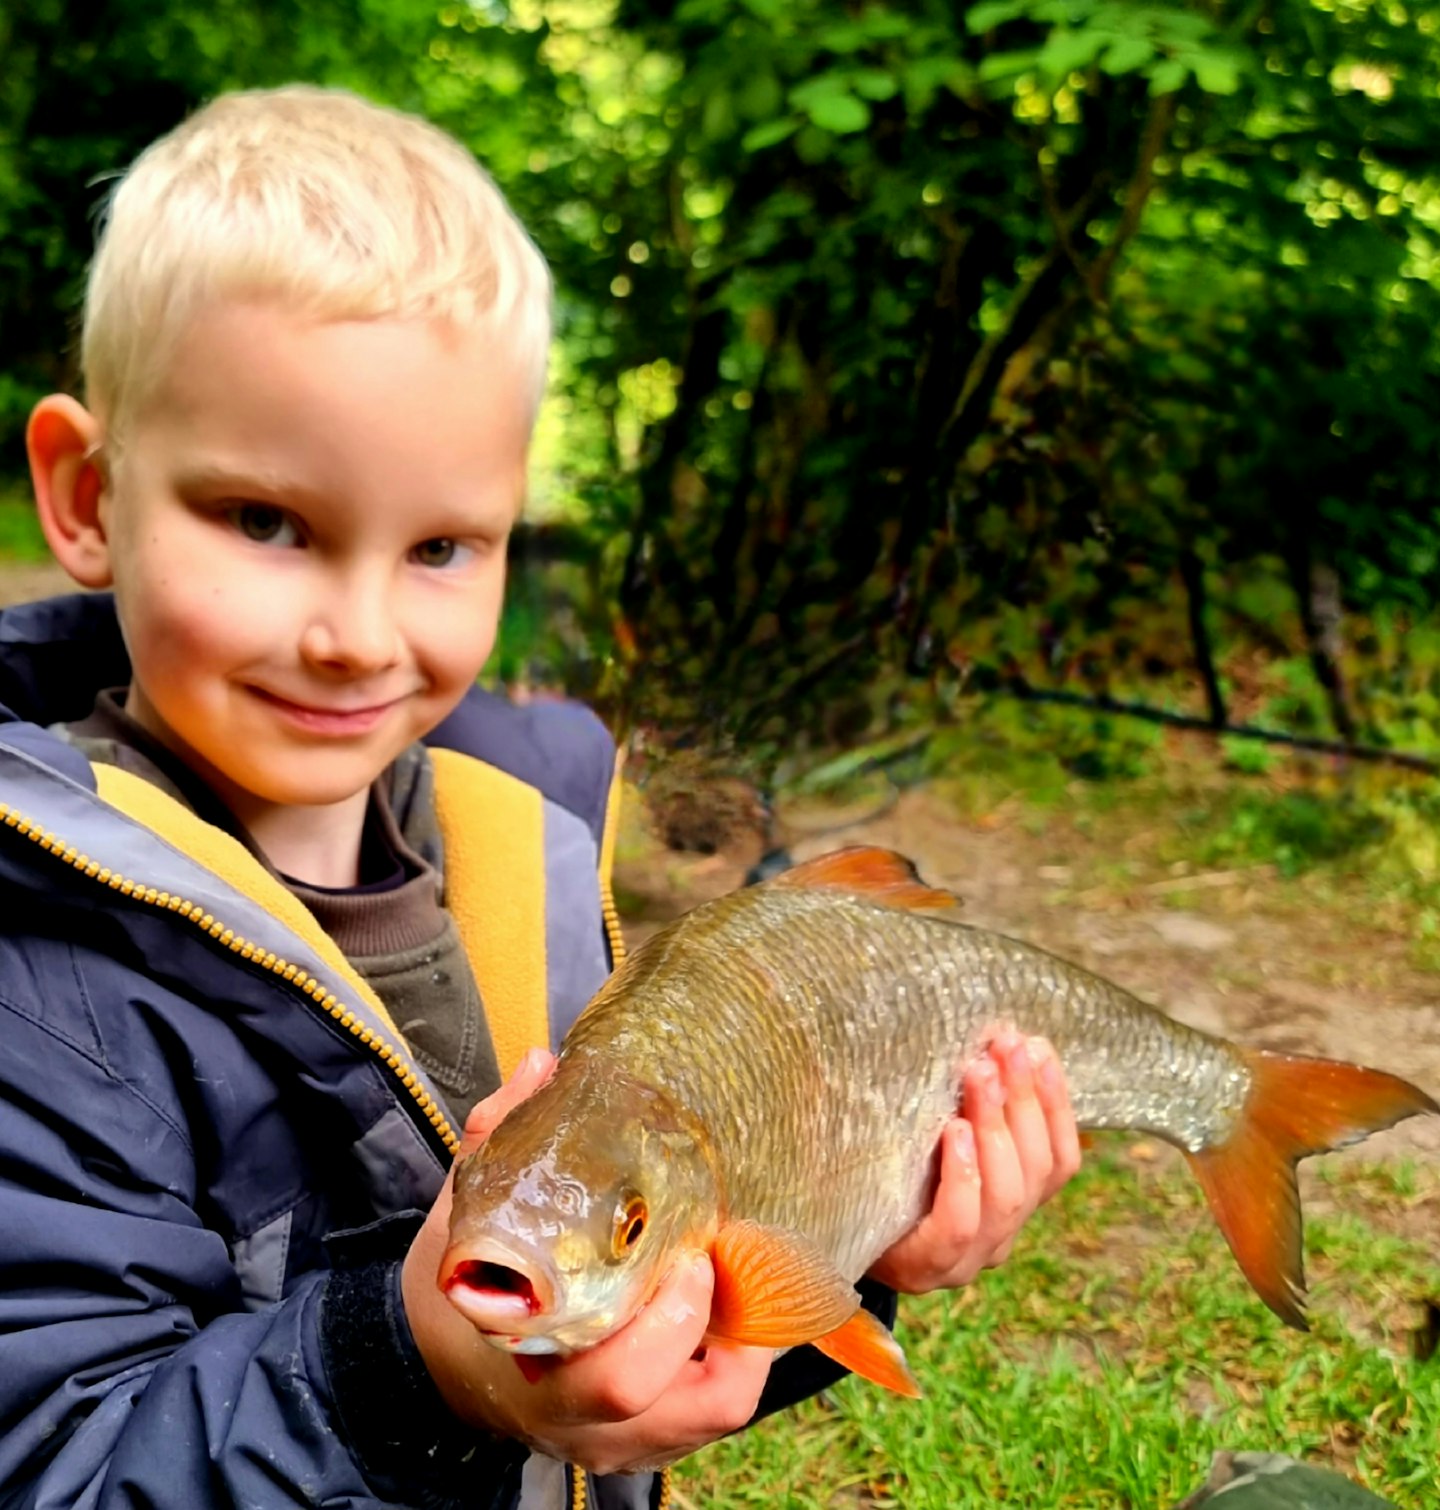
<point>1007,65</point>
<point>922,80</point>
<point>874,83</point>
<point>873,26</point>
<point>1126,54</point>
<point>1167,77</point>
<point>1216,72</point>
<point>769,133</point>
<point>980,18</point>
<point>828,102</point>
<point>841,114</point>
<point>848,36</point>
<point>1066,50</point>
<point>812,145</point>
<point>717,121</point>
<point>699,12</point>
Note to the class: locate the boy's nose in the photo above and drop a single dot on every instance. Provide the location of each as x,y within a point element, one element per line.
<point>352,631</point>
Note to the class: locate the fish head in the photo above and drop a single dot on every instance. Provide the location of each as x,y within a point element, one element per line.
<point>569,1216</point>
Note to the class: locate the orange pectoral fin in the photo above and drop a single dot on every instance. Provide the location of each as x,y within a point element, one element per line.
<point>865,1347</point>
<point>878,875</point>
<point>775,1288</point>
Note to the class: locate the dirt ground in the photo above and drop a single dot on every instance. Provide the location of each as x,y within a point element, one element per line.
<point>22,582</point>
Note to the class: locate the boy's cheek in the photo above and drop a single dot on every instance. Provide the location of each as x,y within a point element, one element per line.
<point>464,636</point>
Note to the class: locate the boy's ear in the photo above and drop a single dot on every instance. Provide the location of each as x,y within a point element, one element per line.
<point>62,440</point>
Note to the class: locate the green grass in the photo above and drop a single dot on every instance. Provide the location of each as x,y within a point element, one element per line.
<point>20,536</point>
<point>1112,1355</point>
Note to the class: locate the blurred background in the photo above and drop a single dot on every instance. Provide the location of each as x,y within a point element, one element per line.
<point>905,353</point>
<point>1005,431</point>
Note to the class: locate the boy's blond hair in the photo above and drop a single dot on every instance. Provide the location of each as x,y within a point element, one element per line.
<point>336,207</point>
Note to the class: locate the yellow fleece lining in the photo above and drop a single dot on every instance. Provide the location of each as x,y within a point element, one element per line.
<point>493,828</point>
<point>236,866</point>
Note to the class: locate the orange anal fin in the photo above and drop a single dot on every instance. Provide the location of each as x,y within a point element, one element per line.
<point>1295,1107</point>
<point>865,1347</point>
<point>878,875</point>
<point>775,1288</point>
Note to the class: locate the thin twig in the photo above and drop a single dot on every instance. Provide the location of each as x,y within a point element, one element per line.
<point>1017,686</point>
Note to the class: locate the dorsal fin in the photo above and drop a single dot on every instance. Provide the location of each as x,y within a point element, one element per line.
<point>878,875</point>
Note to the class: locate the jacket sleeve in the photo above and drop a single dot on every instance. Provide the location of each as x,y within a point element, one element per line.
<point>130,1373</point>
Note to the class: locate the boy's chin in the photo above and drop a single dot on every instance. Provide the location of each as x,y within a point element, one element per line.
<point>330,782</point>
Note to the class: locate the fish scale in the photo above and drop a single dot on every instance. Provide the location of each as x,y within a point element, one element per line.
<point>853,1020</point>
<point>767,1080</point>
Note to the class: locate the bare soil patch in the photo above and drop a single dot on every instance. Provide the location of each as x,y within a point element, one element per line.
<point>24,581</point>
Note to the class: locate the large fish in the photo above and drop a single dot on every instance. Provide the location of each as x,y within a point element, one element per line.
<point>766,1080</point>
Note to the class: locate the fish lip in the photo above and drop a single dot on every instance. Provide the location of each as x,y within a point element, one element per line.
<point>492,1309</point>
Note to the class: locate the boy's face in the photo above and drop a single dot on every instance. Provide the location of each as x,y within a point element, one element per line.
<point>307,534</point>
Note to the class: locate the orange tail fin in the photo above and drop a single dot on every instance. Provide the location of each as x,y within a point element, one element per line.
<point>1295,1107</point>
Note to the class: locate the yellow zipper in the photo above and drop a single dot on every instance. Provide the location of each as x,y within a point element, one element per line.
<point>608,835</point>
<point>611,915</point>
<point>580,1495</point>
<point>192,912</point>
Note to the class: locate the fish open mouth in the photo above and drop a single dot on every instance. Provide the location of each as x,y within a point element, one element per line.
<point>494,1284</point>
<point>495,1290</point>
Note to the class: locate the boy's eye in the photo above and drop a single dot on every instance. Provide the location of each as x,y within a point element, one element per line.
<point>438,552</point>
<point>264,523</point>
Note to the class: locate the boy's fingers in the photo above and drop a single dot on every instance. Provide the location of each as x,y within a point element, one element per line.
<point>1025,1116</point>
<point>958,1201</point>
<point>485,1116</point>
<point>939,1249</point>
<point>707,1399</point>
<point>725,1389</point>
<point>626,1374</point>
<point>946,1237</point>
<point>1002,1182</point>
<point>1054,1098</point>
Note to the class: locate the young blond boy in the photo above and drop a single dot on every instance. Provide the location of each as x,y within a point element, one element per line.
<point>282,895</point>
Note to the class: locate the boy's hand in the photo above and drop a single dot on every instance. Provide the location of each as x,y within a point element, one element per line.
<point>1011,1148</point>
<point>638,1400</point>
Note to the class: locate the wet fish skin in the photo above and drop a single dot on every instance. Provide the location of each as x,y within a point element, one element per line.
<point>585,1146</point>
<point>803,1042</point>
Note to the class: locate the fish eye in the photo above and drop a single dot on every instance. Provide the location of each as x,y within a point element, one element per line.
<point>631,1216</point>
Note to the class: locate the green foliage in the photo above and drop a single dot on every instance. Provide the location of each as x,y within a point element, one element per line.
<point>1294,829</point>
<point>900,347</point>
<point>1251,757</point>
<point>20,535</point>
<point>1166,45</point>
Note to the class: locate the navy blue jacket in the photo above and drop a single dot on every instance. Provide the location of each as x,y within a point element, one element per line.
<point>213,1151</point>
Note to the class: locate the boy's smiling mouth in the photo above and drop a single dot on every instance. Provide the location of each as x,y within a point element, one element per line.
<point>323,719</point>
